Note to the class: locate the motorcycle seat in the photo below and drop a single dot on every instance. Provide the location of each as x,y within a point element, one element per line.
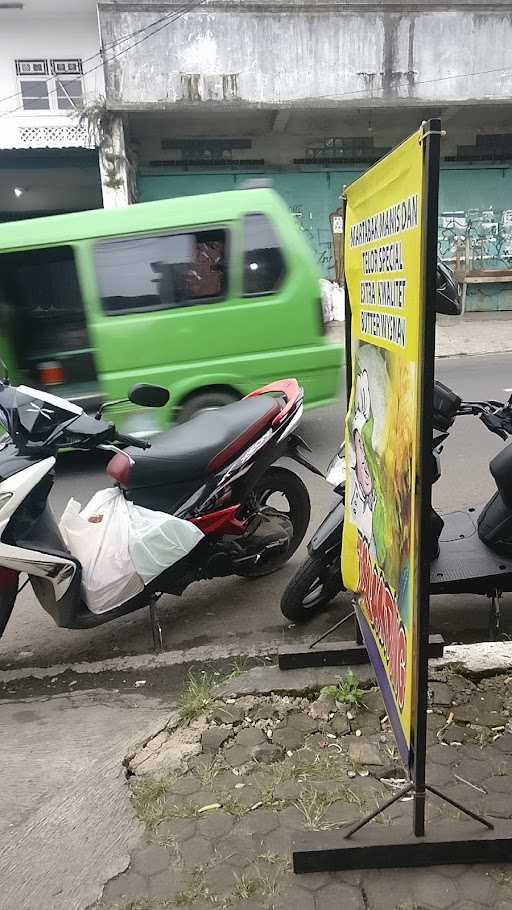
<point>202,445</point>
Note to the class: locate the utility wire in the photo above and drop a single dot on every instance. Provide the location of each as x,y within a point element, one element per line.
<point>166,20</point>
<point>407,84</point>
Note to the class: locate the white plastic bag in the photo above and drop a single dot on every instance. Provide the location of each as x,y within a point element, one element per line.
<point>98,536</point>
<point>121,546</point>
<point>158,540</point>
<point>327,303</point>
<point>338,303</point>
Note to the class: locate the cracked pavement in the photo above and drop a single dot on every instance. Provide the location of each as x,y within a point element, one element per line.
<point>218,829</point>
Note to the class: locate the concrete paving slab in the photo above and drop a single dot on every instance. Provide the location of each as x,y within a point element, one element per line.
<point>66,824</point>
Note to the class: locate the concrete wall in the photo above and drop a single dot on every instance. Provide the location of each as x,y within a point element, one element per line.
<point>297,52</point>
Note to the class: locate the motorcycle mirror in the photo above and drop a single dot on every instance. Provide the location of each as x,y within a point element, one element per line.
<point>448,302</point>
<point>148,396</point>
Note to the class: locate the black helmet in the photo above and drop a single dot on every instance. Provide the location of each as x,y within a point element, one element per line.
<point>447,291</point>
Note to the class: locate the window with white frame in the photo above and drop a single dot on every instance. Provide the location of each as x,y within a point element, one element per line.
<point>50,84</point>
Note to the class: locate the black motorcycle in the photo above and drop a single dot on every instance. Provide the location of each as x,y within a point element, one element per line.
<point>471,549</point>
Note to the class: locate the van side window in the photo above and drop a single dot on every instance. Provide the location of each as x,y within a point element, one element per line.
<point>264,265</point>
<point>41,288</point>
<point>160,272</point>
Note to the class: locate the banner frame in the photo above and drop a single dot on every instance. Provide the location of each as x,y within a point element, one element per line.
<point>432,156</point>
<point>332,851</point>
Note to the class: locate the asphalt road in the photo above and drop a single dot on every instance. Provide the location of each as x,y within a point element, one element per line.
<point>236,611</point>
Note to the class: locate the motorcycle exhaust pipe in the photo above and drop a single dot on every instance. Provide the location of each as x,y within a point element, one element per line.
<point>254,559</point>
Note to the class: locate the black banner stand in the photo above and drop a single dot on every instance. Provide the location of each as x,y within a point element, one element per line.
<point>339,654</point>
<point>393,847</point>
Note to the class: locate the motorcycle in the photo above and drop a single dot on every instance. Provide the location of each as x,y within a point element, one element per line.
<point>318,580</point>
<point>217,471</point>
<point>471,548</point>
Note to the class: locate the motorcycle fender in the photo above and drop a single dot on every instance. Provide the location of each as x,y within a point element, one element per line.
<point>294,444</point>
<point>328,534</point>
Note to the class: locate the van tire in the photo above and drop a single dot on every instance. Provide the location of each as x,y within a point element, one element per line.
<point>204,401</point>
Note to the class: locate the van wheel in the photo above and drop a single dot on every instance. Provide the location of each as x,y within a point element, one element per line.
<point>204,401</point>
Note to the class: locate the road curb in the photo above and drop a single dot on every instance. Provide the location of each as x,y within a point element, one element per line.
<point>484,658</point>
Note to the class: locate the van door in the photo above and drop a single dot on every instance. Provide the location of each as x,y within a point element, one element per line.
<point>231,305</point>
<point>48,331</point>
<point>156,314</point>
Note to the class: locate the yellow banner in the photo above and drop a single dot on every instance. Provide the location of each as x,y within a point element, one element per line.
<point>383,242</point>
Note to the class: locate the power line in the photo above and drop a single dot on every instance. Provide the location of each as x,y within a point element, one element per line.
<point>165,21</point>
<point>107,47</point>
<point>187,10</point>
<point>170,17</point>
<point>407,84</point>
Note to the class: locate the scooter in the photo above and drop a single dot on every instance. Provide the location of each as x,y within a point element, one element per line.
<point>216,471</point>
<point>471,549</point>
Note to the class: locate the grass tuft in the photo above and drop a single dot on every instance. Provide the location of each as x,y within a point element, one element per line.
<point>198,693</point>
<point>347,691</point>
<point>197,696</point>
<point>246,887</point>
<point>148,799</point>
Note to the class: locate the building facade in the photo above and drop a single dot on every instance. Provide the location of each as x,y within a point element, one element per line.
<point>309,93</point>
<point>50,67</point>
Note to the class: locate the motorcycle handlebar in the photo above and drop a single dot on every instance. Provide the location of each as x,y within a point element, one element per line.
<point>495,415</point>
<point>495,423</point>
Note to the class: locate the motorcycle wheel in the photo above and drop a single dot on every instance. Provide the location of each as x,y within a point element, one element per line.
<point>311,589</point>
<point>284,491</point>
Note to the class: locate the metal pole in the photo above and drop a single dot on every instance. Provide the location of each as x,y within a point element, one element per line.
<point>331,630</point>
<point>431,152</point>
<point>369,818</point>
<point>461,808</point>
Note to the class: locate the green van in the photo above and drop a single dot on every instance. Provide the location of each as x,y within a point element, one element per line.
<point>210,296</point>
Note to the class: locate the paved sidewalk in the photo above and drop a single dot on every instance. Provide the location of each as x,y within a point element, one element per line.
<point>260,767</point>
<point>473,333</point>
<point>66,826</point>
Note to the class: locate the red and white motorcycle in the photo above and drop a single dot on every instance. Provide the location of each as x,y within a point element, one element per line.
<point>216,471</point>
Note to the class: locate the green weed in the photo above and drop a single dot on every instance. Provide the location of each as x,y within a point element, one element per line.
<point>347,691</point>
<point>197,696</point>
<point>148,799</point>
